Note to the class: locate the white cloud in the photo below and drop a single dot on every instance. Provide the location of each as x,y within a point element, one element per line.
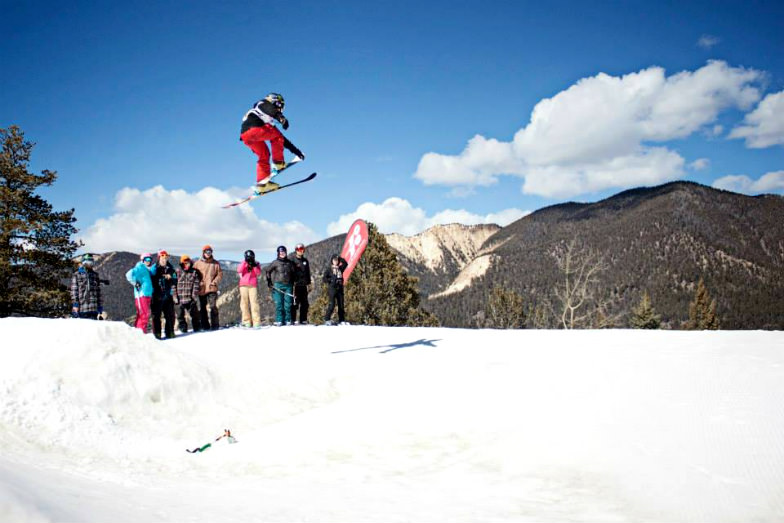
<point>700,164</point>
<point>601,132</point>
<point>767,183</point>
<point>764,126</point>
<point>398,215</point>
<point>181,222</point>
<point>708,41</point>
<point>479,164</point>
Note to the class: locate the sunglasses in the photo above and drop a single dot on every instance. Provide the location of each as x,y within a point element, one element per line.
<point>208,251</point>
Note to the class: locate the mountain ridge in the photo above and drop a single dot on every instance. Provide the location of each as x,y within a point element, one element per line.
<point>659,239</point>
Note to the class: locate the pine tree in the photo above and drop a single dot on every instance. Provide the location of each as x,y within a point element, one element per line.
<point>504,310</point>
<point>35,242</point>
<point>379,291</point>
<point>643,316</point>
<point>702,311</point>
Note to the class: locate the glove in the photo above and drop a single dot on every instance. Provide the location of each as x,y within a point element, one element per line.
<point>284,122</point>
<point>177,300</point>
<point>310,287</point>
<point>138,286</point>
<point>269,283</point>
<point>100,310</point>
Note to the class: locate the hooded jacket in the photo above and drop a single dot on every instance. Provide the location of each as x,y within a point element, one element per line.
<point>141,278</point>
<point>86,290</point>
<point>249,276</point>
<point>187,288</point>
<point>263,113</point>
<point>211,275</point>
<point>280,271</point>
<point>162,287</point>
<point>333,275</point>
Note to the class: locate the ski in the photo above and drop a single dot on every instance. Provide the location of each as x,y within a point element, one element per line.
<point>254,196</point>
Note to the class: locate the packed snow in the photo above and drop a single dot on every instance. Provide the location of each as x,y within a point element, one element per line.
<point>378,424</point>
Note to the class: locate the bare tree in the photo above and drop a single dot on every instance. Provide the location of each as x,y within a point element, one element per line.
<point>578,293</point>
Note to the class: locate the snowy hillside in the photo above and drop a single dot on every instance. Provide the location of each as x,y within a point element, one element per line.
<point>380,424</point>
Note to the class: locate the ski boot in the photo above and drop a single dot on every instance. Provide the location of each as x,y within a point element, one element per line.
<point>262,188</point>
<point>277,167</point>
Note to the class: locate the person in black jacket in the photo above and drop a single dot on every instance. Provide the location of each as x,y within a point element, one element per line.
<point>164,281</point>
<point>258,128</point>
<point>280,279</point>
<point>302,285</point>
<point>333,277</point>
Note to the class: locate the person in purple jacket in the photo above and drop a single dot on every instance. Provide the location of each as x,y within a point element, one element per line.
<point>249,271</point>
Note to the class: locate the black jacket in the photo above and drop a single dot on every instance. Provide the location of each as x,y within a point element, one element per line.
<point>333,276</point>
<point>302,271</point>
<point>163,289</point>
<point>262,113</point>
<point>280,271</point>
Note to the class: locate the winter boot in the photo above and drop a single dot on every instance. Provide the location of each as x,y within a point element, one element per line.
<point>262,188</point>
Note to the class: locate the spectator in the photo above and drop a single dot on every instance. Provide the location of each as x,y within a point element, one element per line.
<point>302,286</point>
<point>140,276</point>
<point>280,278</point>
<point>333,277</point>
<point>186,295</point>
<point>86,290</point>
<point>249,271</point>
<point>211,275</point>
<point>164,283</point>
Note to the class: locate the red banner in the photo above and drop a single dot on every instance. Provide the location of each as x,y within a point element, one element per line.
<point>354,246</point>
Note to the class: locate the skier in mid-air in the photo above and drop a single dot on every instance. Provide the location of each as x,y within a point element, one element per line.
<point>258,128</point>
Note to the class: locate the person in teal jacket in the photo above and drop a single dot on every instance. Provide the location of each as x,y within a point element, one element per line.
<point>140,276</point>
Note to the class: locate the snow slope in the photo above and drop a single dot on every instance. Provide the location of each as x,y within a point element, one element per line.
<point>389,424</point>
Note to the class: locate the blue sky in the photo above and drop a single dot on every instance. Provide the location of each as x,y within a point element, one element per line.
<point>412,113</point>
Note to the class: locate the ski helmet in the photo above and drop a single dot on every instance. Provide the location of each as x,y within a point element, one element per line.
<point>87,259</point>
<point>145,255</point>
<point>276,99</point>
<point>250,255</point>
<point>300,247</point>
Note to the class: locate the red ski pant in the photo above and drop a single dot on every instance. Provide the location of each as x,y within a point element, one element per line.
<point>143,312</point>
<point>256,138</point>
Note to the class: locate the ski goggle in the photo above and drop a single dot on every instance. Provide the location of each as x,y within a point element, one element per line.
<point>147,259</point>
<point>300,249</point>
<point>208,251</point>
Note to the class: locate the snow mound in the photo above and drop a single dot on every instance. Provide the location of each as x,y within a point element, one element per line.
<point>389,424</point>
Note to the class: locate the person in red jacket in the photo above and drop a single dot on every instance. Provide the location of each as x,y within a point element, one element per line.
<point>258,128</point>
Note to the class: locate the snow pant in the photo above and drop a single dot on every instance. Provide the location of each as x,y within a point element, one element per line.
<point>249,305</point>
<point>213,321</point>
<point>335,293</point>
<point>192,308</point>
<point>301,304</point>
<point>142,312</point>
<point>256,138</point>
<point>282,300</point>
<point>88,315</point>
<point>166,307</point>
